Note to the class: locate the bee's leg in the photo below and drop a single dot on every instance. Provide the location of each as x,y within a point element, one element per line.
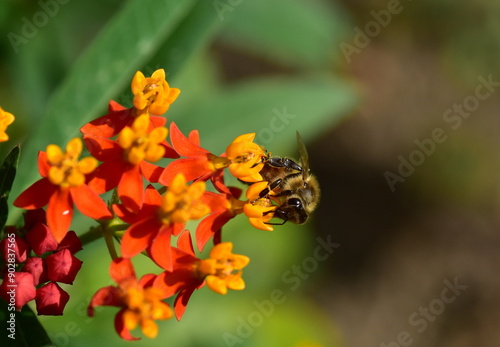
<point>284,162</point>
<point>270,188</point>
<point>283,222</point>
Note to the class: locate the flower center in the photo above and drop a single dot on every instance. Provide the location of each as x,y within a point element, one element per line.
<point>65,168</point>
<point>138,145</point>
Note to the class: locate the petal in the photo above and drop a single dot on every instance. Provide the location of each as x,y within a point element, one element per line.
<point>110,124</point>
<point>37,268</point>
<point>89,203</point>
<point>131,189</point>
<point>37,195</point>
<point>150,171</point>
<point>63,266</point>
<point>107,296</point>
<point>20,247</point>
<point>182,144</point>
<point>147,280</point>
<point>216,284</point>
<point>194,137</point>
<point>157,121</point>
<point>191,168</point>
<point>41,239</point>
<point>160,249</point>
<point>235,282</point>
<point>139,236</point>
<point>71,242</point>
<point>107,176</point>
<point>25,288</point>
<point>121,270</point>
<point>209,226</point>
<point>181,302</point>
<point>258,223</point>
<point>43,164</point>
<point>121,328</point>
<point>60,213</point>
<point>103,149</point>
<point>51,300</point>
<point>221,250</point>
<point>185,243</point>
<point>33,217</point>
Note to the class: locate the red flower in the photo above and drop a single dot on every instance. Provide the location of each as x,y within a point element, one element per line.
<point>51,300</point>
<point>62,185</point>
<point>125,161</point>
<point>14,247</point>
<point>199,164</point>
<point>117,118</point>
<point>18,289</point>
<point>63,266</point>
<point>224,207</point>
<point>140,301</point>
<point>37,268</point>
<point>161,218</point>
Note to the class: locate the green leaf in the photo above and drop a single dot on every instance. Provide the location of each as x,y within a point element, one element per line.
<point>274,108</point>
<point>7,175</point>
<point>129,40</point>
<point>28,332</point>
<point>296,33</point>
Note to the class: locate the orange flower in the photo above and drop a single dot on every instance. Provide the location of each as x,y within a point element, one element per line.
<point>141,303</point>
<point>246,158</point>
<point>259,210</point>
<point>153,93</point>
<point>63,184</point>
<point>221,271</point>
<point>6,119</point>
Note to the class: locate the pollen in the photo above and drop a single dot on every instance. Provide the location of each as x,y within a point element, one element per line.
<point>222,270</point>
<point>182,202</point>
<point>140,145</point>
<point>65,168</point>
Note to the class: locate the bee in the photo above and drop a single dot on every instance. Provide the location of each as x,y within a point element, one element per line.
<point>291,186</point>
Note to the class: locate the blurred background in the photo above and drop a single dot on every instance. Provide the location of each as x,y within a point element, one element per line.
<point>397,102</point>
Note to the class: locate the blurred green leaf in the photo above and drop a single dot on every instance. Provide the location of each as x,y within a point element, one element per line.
<point>296,33</point>
<point>7,175</point>
<point>274,108</point>
<point>28,330</point>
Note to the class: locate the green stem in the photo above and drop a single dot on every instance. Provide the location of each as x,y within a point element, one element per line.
<point>93,234</point>
<point>108,230</point>
<point>108,237</point>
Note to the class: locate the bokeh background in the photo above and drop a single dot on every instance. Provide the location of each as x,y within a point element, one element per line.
<point>414,262</point>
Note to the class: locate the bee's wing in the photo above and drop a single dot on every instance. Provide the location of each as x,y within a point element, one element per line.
<point>304,157</point>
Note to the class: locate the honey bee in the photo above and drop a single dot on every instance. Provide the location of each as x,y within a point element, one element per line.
<point>291,186</point>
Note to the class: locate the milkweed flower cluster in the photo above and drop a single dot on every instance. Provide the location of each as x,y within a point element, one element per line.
<point>159,177</point>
